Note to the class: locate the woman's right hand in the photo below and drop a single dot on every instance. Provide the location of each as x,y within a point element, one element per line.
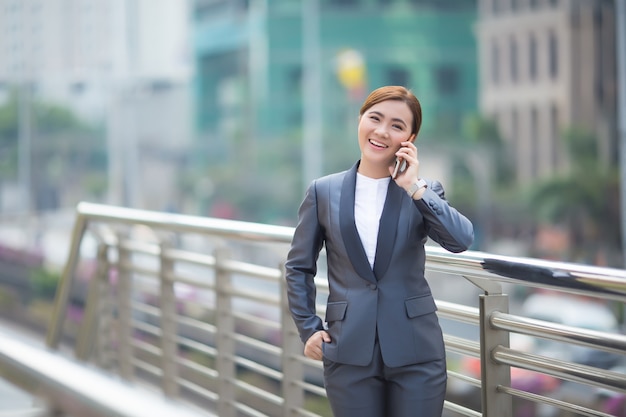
<point>313,346</point>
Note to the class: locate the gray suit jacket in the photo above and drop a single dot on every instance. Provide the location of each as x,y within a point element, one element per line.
<point>393,301</point>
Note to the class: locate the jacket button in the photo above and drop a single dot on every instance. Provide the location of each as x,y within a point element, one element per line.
<point>372,286</point>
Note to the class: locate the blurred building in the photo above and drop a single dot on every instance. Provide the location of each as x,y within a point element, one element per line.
<point>545,66</point>
<point>123,64</point>
<point>250,57</point>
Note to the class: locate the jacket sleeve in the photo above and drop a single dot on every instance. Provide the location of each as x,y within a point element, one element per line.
<point>444,224</point>
<point>301,267</point>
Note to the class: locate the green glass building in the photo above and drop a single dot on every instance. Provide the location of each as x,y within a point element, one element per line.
<point>254,59</point>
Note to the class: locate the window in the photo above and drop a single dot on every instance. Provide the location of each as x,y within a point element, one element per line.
<point>447,79</point>
<point>344,3</point>
<point>515,144</point>
<point>554,133</point>
<point>77,88</point>
<point>532,59</point>
<point>495,63</point>
<point>534,141</point>
<point>553,55</point>
<point>294,79</point>
<point>398,76</point>
<point>495,6</point>
<point>513,59</point>
<point>514,129</point>
<point>293,85</point>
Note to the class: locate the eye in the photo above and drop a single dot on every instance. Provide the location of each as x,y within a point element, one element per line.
<point>398,126</point>
<point>374,117</point>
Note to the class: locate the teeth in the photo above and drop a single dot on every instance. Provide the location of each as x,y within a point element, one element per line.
<point>382,145</point>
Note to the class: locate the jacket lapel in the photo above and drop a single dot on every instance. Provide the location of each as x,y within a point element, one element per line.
<point>388,228</point>
<point>349,232</point>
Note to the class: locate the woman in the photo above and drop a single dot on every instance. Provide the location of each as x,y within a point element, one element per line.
<point>381,342</point>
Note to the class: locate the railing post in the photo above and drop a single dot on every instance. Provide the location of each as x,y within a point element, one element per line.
<point>225,323</point>
<point>105,324</point>
<point>493,375</point>
<point>62,295</point>
<point>124,311</point>
<point>169,345</point>
<point>293,368</point>
<point>88,335</point>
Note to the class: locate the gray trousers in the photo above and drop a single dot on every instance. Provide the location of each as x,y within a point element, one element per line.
<point>376,390</point>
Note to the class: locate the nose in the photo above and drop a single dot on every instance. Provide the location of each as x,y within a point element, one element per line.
<point>381,131</point>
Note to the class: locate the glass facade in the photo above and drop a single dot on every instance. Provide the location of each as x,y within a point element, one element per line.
<point>425,45</point>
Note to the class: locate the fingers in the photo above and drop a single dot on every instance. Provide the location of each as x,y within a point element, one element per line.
<point>313,346</point>
<point>408,152</point>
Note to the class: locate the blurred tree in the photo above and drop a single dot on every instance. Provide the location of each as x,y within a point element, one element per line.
<point>585,201</point>
<point>8,138</point>
<point>49,119</point>
<point>483,179</point>
<point>483,132</point>
<point>261,187</point>
<point>62,146</point>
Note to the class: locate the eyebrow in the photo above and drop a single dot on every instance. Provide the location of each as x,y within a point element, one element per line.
<point>393,119</point>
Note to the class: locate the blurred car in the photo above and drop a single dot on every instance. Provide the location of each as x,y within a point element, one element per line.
<point>571,310</point>
<point>576,311</point>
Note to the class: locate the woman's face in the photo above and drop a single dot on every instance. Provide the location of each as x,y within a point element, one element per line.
<point>382,128</point>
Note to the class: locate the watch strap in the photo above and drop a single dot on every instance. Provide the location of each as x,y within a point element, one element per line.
<point>417,185</point>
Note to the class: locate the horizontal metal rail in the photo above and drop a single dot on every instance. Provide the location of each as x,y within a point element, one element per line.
<point>561,369</point>
<point>207,346</point>
<point>75,389</point>
<point>609,342</point>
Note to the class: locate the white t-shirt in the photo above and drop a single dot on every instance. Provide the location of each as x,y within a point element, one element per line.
<point>369,200</point>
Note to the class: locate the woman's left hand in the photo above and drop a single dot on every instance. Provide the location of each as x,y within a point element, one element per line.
<point>408,153</point>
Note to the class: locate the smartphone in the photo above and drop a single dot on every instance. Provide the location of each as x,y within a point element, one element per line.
<point>400,167</point>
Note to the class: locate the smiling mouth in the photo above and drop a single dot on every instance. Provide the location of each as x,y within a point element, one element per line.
<point>378,144</point>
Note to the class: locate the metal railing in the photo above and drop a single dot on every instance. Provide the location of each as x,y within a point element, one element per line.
<point>68,388</point>
<point>197,307</point>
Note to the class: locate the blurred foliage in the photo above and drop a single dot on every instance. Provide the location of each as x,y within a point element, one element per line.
<point>260,184</point>
<point>585,199</point>
<point>8,299</point>
<point>484,133</point>
<point>65,152</point>
<point>48,119</point>
<point>44,283</point>
<point>95,184</point>
<point>481,130</point>
<point>318,405</point>
<point>483,185</point>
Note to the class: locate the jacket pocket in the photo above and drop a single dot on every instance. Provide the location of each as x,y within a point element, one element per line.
<point>420,305</point>
<point>336,311</point>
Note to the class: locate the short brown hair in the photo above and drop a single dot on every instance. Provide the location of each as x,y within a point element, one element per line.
<point>399,93</point>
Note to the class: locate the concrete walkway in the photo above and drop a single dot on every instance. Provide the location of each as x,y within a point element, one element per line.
<point>14,402</point>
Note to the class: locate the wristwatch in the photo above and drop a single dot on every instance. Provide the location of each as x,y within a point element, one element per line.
<point>417,185</point>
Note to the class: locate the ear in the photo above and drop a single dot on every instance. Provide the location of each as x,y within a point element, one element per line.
<point>412,137</point>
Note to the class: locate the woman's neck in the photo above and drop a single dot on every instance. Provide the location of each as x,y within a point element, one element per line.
<point>372,170</point>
